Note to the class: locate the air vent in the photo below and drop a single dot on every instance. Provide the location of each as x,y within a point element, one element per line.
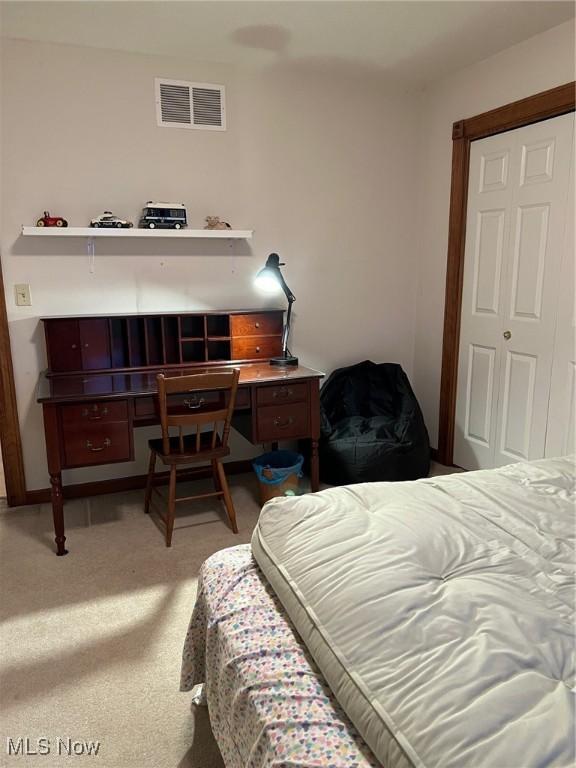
<point>175,104</point>
<point>190,105</point>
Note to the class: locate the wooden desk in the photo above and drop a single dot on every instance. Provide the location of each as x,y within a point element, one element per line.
<point>90,419</point>
<point>90,414</point>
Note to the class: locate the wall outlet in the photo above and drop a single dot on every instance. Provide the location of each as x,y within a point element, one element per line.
<point>23,295</point>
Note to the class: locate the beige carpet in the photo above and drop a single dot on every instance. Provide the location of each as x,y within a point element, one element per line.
<point>91,642</point>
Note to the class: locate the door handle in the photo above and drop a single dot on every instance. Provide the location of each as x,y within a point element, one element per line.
<point>194,402</point>
<point>90,447</point>
<point>95,414</point>
<point>507,335</point>
<point>283,424</point>
<point>282,392</point>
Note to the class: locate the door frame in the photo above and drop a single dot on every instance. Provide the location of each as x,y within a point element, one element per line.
<point>10,439</point>
<point>542,106</point>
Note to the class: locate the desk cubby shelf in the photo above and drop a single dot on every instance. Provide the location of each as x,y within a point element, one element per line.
<point>125,342</point>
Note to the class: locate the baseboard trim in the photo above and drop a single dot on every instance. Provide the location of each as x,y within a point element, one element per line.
<point>135,482</point>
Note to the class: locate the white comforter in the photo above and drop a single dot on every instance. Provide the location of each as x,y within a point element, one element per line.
<point>441,612</point>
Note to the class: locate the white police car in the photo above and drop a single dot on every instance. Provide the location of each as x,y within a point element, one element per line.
<point>107,219</point>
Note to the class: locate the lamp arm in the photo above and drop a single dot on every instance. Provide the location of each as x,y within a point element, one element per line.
<point>287,292</point>
<point>286,330</point>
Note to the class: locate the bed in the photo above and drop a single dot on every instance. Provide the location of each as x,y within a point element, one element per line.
<point>269,704</point>
<point>427,623</point>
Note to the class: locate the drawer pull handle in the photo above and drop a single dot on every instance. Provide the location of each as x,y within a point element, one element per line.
<point>94,449</point>
<point>257,349</point>
<point>256,325</point>
<point>194,402</point>
<point>282,392</point>
<point>283,424</point>
<point>74,346</point>
<point>95,414</point>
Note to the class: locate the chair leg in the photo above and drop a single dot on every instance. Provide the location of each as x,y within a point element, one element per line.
<point>171,506</point>
<point>217,483</point>
<point>150,481</point>
<point>227,497</point>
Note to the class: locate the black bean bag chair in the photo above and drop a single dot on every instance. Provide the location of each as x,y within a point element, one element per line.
<point>372,426</point>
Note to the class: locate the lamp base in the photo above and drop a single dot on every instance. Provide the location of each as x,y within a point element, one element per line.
<point>287,360</point>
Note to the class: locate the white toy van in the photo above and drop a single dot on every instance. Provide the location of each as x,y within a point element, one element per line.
<point>163,215</point>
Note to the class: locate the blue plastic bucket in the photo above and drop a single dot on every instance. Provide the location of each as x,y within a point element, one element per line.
<point>278,473</point>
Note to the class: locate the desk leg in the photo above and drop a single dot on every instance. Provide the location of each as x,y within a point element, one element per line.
<point>314,468</point>
<point>314,434</point>
<point>58,513</point>
<point>55,469</point>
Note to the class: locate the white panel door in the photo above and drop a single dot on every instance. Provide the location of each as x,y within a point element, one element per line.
<point>487,235</point>
<point>517,212</point>
<point>561,432</point>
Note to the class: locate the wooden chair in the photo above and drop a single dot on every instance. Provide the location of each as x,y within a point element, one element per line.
<point>198,400</point>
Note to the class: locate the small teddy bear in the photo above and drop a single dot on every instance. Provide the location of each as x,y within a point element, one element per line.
<point>213,222</point>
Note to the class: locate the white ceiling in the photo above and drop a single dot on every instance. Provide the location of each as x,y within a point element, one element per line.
<point>415,41</point>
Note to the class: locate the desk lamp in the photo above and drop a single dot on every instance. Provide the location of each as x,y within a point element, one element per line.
<point>271,280</point>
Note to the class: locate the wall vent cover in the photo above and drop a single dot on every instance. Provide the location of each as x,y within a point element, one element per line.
<point>190,105</point>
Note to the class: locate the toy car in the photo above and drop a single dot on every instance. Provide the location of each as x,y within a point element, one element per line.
<point>107,219</point>
<point>51,221</point>
<point>163,215</point>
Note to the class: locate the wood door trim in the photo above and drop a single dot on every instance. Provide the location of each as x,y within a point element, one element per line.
<point>542,106</point>
<point>10,439</point>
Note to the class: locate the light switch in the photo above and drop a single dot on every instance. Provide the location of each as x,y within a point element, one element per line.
<point>23,295</point>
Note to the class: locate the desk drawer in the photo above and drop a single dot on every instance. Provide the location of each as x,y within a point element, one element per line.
<point>256,347</point>
<point>145,407</point>
<point>281,422</point>
<point>256,324</point>
<point>97,443</point>
<point>283,393</point>
<point>87,413</point>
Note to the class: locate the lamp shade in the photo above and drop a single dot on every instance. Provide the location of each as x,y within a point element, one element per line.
<point>267,281</point>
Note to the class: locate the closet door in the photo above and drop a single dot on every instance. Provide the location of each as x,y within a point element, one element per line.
<point>561,432</point>
<point>539,213</point>
<point>517,211</point>
<point>487,237</point>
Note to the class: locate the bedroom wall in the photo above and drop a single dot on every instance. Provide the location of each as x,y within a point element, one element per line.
<point>539,63</point>
<point>331,189</point>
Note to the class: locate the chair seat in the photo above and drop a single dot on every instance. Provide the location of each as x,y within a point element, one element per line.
<point>189,454</point>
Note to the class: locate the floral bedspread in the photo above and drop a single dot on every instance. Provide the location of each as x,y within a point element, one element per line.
<point>268,704</point>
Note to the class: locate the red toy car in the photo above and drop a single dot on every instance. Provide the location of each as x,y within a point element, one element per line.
<point>51,221</point>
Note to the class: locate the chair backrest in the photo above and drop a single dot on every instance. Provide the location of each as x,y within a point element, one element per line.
<point>202,403</point>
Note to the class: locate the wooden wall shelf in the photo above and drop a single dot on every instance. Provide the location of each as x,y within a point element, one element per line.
<point>177,234</point>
